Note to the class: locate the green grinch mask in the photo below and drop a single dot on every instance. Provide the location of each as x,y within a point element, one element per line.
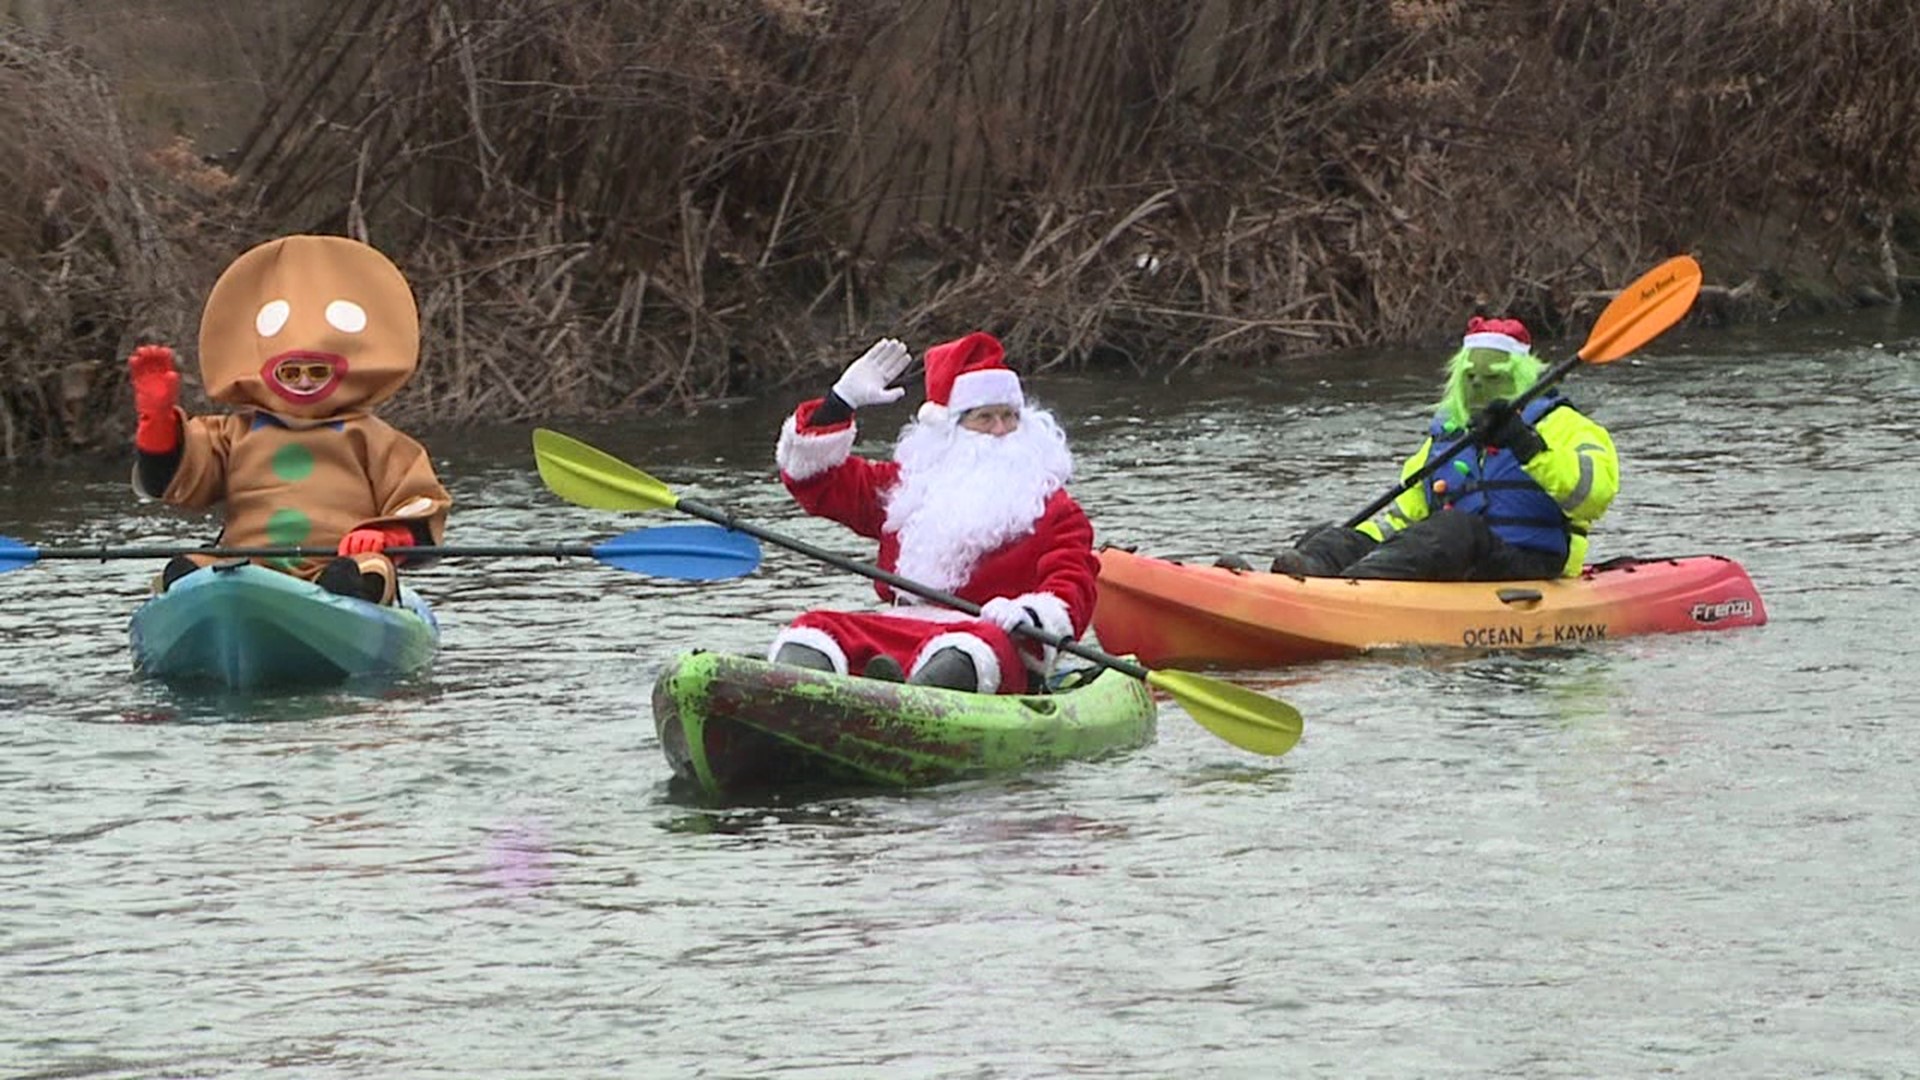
<point>1477,376</point>
<point>1487,375</point>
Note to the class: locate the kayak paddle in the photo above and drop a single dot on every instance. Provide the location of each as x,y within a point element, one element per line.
<point>581,474</point>
<point>683,552</point>
<point>1641,311</point>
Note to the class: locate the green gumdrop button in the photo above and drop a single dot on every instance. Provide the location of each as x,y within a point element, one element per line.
<point>293,463</point>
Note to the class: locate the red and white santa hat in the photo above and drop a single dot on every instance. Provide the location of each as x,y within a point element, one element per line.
<point>1506,335</point>
<point>967,374</point>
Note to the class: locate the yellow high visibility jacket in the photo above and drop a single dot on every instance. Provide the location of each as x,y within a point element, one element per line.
<point>1579,471</point>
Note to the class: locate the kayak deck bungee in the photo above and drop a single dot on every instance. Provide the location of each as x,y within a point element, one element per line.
<point>1177,613</point>
<point>247,627</point>
<point>730,724</point>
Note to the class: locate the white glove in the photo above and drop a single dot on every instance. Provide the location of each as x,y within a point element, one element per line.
<point>1006,613</point>
<point>865,380</point>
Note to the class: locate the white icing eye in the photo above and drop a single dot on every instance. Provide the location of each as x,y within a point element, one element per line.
<point>272,318</point>
<point>347,316</point>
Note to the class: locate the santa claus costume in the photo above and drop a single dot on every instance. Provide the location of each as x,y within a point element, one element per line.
<point>983,516</point>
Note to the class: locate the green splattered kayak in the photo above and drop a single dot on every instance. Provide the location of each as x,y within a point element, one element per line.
<point>731,724</point>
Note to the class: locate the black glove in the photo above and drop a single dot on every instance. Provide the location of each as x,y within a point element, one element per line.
<point>1499,425</point>
<point>833,409</point>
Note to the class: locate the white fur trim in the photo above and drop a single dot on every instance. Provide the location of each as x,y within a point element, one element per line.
<point>985,664</point>
<point>1054,617</point>
<point>804,457</point>
<point>931,412</point>
<point>813,638</point>
<point>987,386</point>
<point>909,606</point>
<point>1506,343</point>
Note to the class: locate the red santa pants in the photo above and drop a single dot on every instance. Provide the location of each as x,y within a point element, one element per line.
<point>851,638</point>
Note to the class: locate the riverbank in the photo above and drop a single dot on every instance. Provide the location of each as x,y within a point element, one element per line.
<point>641,205</point>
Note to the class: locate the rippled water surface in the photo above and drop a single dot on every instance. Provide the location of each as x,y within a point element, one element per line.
<point>1673,855</point>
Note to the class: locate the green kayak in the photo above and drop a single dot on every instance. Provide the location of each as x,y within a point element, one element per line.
<point>730,724</point>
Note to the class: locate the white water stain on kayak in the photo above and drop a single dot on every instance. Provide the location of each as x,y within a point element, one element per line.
<point>1680,854</point>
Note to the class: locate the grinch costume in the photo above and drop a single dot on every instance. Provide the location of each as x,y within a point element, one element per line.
<point>1516,503</point>
<point>303,336</point>
<point>983,514</point>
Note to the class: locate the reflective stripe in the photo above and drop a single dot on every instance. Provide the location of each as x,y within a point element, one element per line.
<point>1386,526</point>
<point>1584,486</point>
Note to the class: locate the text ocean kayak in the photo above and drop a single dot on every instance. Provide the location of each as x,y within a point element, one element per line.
<point>1178,614</point>
<point>248,627</point>
<point>730,724</point>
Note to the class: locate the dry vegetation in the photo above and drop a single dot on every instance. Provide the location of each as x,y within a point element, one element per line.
<point>617,204</point>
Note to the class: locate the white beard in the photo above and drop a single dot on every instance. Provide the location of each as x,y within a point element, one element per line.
<point>965,493</point>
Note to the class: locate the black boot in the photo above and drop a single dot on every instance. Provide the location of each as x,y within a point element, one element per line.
<point>343,577</point>
<point>1324,550</point>
<point>950,668</point>
<point>1297,563</point>
<point>797,655</point>
<point>177,567</point>
<point>885,668</point>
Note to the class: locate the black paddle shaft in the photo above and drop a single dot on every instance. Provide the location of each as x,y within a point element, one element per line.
<point>1435,461</point>
<point>1064,644</point>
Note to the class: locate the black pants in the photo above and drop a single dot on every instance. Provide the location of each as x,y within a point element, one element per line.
<point>1444,547</point>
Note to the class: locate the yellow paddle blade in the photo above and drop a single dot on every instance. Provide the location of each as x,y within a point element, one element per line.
<point>587,477</point>
<point>1246,719</point>
<point>1644,309</point>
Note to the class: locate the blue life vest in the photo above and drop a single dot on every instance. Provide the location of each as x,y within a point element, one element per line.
<point>1497,488</point>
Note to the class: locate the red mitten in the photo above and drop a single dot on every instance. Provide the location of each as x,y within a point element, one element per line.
<point>372,538</point>
<point>156,391</point>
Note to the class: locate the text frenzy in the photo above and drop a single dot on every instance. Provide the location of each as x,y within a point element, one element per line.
<point>1725,609</point>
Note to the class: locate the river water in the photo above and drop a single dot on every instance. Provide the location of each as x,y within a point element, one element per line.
<point>1671,855</point>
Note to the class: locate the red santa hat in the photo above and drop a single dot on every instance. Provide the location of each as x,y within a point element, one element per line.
<point>1506,335</point>
<point>967,374</point>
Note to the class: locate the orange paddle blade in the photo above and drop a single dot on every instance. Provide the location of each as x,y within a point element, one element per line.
<point>1644,309</point>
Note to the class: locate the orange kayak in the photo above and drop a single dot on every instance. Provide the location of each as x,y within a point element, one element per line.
<point>1169,613</point>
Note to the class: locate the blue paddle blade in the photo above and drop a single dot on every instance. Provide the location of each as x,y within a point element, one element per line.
<point>14,554</point>
<point>685,552</point>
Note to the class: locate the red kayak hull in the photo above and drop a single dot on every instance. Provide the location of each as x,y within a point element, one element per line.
<point>1185,615</point>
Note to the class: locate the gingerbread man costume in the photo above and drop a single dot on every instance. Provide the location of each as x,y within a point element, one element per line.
<point>303,336</point>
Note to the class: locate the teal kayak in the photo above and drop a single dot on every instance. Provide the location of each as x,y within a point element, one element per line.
<point>732,724</point>
<point>247,627</point>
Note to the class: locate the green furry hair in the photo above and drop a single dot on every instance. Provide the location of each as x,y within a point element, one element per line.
<point>1522,368</point>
